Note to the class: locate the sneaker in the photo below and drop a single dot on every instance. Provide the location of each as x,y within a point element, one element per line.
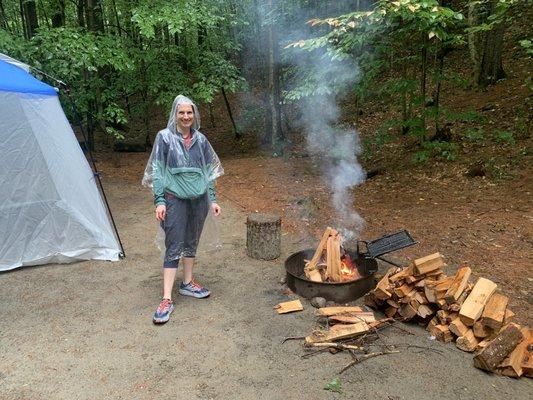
<point>193,289</point>
<point>162,314</point>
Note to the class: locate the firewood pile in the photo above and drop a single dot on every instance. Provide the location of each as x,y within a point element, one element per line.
<point>331,263</point>
<point>474,316</point>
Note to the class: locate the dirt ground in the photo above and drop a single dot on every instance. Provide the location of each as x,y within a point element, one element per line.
<point>84,330</point>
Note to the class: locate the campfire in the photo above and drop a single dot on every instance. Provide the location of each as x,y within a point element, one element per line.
<point>331,262</point>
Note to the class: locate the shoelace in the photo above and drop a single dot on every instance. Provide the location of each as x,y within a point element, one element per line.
<point>165,303</point>
<point>195,285</point>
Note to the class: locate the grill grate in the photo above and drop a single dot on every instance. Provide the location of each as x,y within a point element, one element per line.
<point>388,244</point>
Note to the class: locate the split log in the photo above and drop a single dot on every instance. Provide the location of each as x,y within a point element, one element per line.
<point>434,322</point>
<point>458,328</point>
<point>391,311</point>
<point>428,264</point>
<point>404,273</point>
<point>420,297</point>
<point>343,332</point>
<point>383,288</point>
<point>393,303</point>
<point>473,306</point>
<point>289,306</point>
<point>333,256</point>
<point>527,361</point>
<point>424,311</point>
<point>446,317</point>
<point>494,311</point>
<point>482,331</point>
<point>403,290</point>
<point>263,236</point>
<point>442,333</point>
<point>353,318</point>
<point>495,352</point>
<point>320,249</point>
<point>467,342</point>
<point>435,291</point>
<point>407,311</point>
<point>329,311</point>
<point>512,365</point>
<point>460,281</point>
<point>509,316</point>
<point>409,297</point>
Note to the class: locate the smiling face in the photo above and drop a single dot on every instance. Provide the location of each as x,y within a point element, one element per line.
<point>185,118</point>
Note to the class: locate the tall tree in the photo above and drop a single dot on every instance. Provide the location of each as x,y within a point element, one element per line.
<point>485,39</point>
<point>29,12</point>
<point>273,132</point>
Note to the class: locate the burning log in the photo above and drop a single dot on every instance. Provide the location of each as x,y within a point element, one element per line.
<point>331,263</point>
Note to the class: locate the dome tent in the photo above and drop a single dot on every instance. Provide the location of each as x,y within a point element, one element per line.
<point>51,210</point>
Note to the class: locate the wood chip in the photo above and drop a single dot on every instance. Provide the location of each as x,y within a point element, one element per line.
<point>289,306</point>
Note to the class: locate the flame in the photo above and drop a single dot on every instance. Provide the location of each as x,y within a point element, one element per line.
<point>348,268</point>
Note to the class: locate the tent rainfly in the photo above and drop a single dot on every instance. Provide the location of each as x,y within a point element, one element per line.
<point>51,210</point>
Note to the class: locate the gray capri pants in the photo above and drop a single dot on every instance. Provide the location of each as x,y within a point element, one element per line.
<point>183,226</point>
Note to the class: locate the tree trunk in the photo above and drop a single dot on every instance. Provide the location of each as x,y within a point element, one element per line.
<point>58,13</point>
<point>273,132</point>
<point>423,78</point>
<point>29,8</point>
<point>228,107</point>
<point>80,12</point>
<point>486,46</point>
<point>3,15</point>
<point>93,14</point>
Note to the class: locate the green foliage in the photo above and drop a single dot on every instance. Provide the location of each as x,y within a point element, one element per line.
<point>443,150</point>
<point>334,386</point>
<point>146,54</point>
<point>504,137</point>
<point>464,116</point>
<point>475,134</point>
<point>527,46</point>
<point>388,44</point>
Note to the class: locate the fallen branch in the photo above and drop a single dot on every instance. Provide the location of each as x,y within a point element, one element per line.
<point>366,357</point>
<point>339,346</point>
<point>293,338</point>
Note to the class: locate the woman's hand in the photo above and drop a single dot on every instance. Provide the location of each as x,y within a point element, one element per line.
<point>216,209</point>
<point>161,212</point>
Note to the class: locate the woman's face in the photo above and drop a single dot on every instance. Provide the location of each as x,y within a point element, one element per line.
<point>185,117</point>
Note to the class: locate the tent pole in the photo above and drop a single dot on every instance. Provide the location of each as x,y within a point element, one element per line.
<point>96,173</point>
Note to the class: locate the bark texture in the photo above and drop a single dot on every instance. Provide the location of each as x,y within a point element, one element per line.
<point>263,236</point>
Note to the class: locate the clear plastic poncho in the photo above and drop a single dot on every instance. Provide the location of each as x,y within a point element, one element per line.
<point>199,165</point>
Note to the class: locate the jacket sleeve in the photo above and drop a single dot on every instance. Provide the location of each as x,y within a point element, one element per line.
<point>211,164</point>
<point>212,192</point>
<point>159,160</point>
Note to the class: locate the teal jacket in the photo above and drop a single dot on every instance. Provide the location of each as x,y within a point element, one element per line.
<point>185,173</point>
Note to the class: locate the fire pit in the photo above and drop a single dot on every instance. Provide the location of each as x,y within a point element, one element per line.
<point>339,292</point>
<point>307,285</point>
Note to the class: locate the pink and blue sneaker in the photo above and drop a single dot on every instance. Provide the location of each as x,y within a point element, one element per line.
<point>162,314</point>
<point>194,289</point>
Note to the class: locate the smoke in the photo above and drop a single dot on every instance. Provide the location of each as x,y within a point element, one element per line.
<point>318,82</point>
<point>334,148</point>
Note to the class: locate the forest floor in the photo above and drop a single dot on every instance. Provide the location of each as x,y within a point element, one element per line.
<point>84,330</point>
<point>90,322</point>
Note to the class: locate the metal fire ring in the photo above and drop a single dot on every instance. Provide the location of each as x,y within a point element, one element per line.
<point>339,292</point>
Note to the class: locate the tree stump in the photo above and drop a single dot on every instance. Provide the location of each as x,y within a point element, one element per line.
<point>263,236</point>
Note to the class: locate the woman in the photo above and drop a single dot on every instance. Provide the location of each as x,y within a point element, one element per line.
<point>181,172</point>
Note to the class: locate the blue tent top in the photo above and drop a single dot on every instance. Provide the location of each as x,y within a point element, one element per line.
<point>15,79</point>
